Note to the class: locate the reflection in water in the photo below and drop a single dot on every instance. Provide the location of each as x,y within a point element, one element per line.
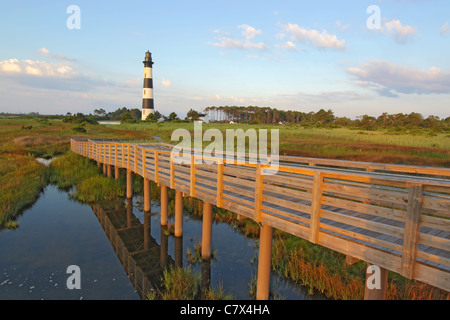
<point>57,232</point>
<point>139,253</point>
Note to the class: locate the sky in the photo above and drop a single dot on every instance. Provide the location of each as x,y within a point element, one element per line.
<point>353,57</point>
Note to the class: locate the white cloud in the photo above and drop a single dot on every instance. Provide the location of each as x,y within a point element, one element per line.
<point>399,31</point>
<point>166,83</point>
<point>46,53</point>
<point>315,38</point>
<point>289,45</point>
<point>36,68</point>
<point>248,32</point>
<point>445,29</point>
<point>389,79</point>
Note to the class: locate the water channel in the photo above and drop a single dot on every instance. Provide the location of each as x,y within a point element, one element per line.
<point>121,252</point>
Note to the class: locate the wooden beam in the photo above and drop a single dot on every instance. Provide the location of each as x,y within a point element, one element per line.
<point>376,283</point>
<point>164,205</point>
<point>206,230</point>
<point>264,263</point>
<point>192,176</point>
<point>129,184</point>
<point>258,193</point>
<point>220,185</point>
<point>178,214</point>
<point>412,225</point>
<point>316,206</point>
<point>156,167</point>
<point>147,204</point>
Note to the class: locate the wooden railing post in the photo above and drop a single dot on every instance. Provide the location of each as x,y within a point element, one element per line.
<point>258,193</point>
<point>192,184</point>
<point>123,155</point>
<point>144,170</point>
<point>316,206</point>
<point>116,156</point>
<point>172,172</point>
<point>129,158</point>
<point>220,184</point>
<point>135,160</point>
<point>412,225</point>
<point>156,167</point>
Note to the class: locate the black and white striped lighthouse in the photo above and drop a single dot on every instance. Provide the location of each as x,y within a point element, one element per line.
<point>147,96</point>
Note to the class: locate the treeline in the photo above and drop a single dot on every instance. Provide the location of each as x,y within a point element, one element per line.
<point>322,118</point>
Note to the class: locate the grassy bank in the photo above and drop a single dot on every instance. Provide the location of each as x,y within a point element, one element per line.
<point>22,178</point>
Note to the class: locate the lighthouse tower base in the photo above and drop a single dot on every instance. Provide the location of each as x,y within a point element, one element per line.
<point>145,113</point>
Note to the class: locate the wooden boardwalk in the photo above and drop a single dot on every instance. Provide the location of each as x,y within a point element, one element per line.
<point>393,216</point>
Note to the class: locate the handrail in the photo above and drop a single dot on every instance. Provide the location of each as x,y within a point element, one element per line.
<point>397,221</point>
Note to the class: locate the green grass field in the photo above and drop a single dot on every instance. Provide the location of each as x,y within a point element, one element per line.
<point>22,179</point>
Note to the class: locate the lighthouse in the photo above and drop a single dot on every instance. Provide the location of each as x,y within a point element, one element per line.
<point>147,96</point>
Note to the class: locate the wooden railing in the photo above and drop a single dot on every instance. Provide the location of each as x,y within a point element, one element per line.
<point>400,222</point>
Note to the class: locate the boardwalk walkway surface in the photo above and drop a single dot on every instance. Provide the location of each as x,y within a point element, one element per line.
<point>393,216</point>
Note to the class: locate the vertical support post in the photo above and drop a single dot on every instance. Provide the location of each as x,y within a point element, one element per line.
<point>129,184</point>
<point>178,214</point>
<point>104,169</point>
<point>316,206</point>
<point>116,172</point>
<point>164,205</point>
<point>264,263</point>
<point>109,170</point>
<point>207,230</point>
<point>147,203</point>
<point>412,225</point>
<point>376,291</point>
<point>220,184</point>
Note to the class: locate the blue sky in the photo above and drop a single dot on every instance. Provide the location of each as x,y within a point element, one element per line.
<point>297,55</point>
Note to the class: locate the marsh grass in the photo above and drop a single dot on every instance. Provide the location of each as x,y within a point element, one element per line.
<point>183,284</point>
<point>22,179</point>
<point>325,271</point>
<point>73,170</point>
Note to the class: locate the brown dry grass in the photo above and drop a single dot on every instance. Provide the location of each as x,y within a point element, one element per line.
<point>34,141</point>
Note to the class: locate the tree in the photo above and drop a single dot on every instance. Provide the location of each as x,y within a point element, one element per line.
<point>172,116</point>
<point>101,113</point>
<point>192,115</point>
<point>126,118</point>
<point>153,117</point>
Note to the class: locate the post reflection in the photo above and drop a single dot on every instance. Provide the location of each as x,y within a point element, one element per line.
<point>141,256</point>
